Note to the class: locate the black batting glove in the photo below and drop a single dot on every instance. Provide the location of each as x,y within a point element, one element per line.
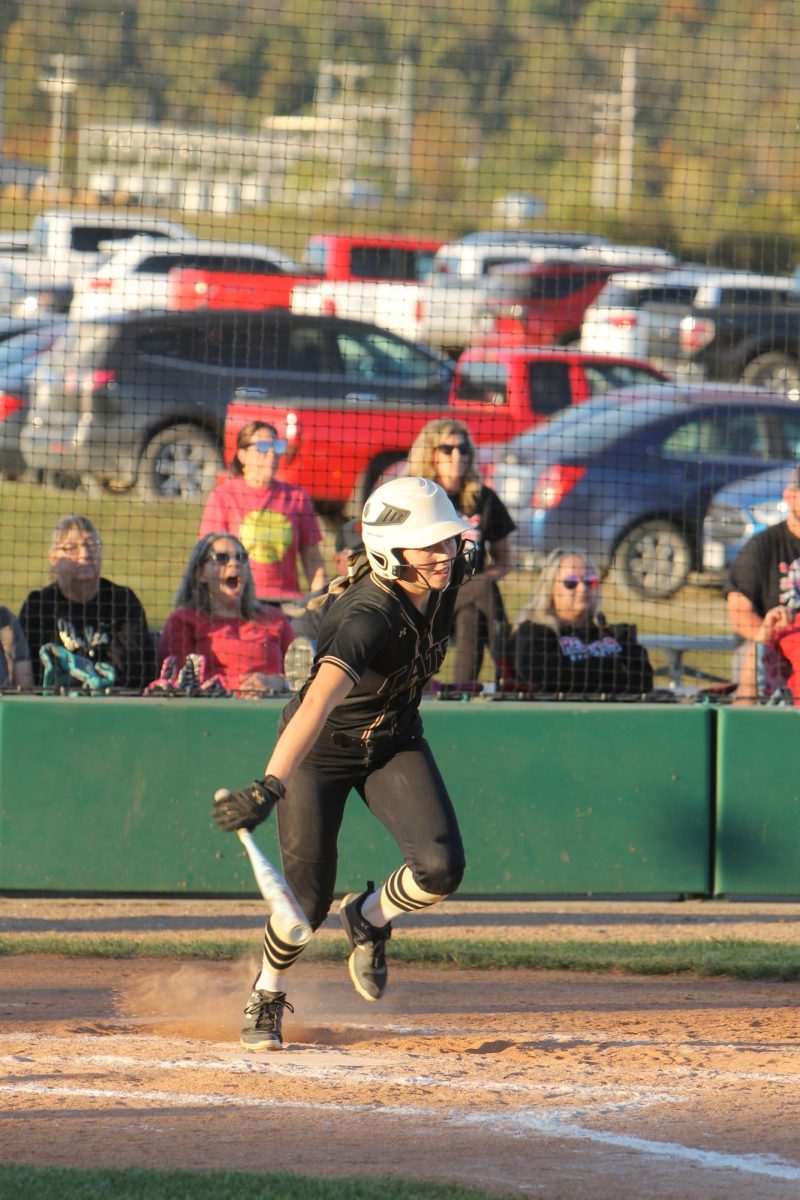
<point>249,806</point>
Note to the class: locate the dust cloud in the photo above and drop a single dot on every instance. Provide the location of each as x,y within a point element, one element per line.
<point>206,1001</point>
<point>203,1000</point>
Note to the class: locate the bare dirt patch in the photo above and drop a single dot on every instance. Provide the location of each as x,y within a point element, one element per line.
<point>523,1082</point>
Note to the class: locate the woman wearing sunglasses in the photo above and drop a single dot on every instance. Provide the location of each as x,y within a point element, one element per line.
<point>274,521</point>
<point>563,644</point>
<point>216,615</point>
<point>444,452</point>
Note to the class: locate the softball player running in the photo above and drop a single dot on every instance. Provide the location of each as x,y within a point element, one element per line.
<point>356,724</point>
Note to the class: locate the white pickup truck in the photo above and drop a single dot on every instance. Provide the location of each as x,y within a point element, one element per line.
<point>61,245</point>
<point>373,278</point>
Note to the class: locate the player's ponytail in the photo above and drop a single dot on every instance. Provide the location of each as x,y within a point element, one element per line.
<point>357,567</point>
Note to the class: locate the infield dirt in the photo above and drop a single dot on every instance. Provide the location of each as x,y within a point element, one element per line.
<point>525,1083</point>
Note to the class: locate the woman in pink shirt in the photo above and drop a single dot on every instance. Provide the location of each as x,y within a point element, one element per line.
<point>274,521</point>
<point>217,615</point>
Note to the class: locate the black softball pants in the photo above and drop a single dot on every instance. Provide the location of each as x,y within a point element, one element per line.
<point>405,791</point>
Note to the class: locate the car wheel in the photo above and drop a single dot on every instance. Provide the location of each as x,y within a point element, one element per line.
<point>779,372</point>
<point>653,560</point>
<point>179,463</point>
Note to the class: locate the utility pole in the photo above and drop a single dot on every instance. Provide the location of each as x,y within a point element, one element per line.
<point>605,119</point>
<point>404,126</point>
<point>59,83</point>
<point>627,130</point>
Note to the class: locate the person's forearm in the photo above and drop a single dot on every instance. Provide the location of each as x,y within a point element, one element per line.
<point>747,625</point>
<point>747,688</point>
<point>743,618</point>
<point>501,560</point>
<point>314,567</point>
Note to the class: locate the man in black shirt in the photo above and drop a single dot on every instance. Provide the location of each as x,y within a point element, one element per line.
<point>86,613</point>
<point>356,724</point>
<point>758,583</point>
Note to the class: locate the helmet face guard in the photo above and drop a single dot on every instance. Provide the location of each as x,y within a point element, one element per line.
<point>409,513</point>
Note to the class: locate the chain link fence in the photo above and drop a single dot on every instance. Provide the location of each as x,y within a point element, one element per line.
<point>249,258</point>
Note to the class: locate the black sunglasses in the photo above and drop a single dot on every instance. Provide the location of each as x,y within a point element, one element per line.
<point>462,448</point>
<point>221,558</point>
<point>570,582</point>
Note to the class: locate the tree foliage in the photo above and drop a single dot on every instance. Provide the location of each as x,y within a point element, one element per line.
<point>717,91</point>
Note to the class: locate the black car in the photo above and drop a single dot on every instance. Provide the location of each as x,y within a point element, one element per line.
<point>140,398</point>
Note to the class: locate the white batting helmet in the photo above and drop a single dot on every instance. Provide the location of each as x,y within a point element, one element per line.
<point>408,513</point>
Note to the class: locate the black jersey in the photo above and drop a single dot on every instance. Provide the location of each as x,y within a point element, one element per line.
<point>390,650</point>
<point>109,628</point>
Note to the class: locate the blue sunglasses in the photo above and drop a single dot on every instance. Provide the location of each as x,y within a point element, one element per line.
<point>278,446</point>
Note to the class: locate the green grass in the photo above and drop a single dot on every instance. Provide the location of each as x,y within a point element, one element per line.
<point>735,959</point>
<point>63,1183</point>
<point>145,546</point>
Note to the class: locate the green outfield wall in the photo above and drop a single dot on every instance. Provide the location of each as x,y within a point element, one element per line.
<point>758,802</point>
<point>112,795</point>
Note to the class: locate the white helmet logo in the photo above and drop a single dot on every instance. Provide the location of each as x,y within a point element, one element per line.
<point>390,515</point>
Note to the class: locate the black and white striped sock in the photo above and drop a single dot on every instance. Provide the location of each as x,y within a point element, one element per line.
<point>276,958</point>
<point>400,894</point>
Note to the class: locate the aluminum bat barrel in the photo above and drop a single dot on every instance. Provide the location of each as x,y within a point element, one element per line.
<point>287,918</point>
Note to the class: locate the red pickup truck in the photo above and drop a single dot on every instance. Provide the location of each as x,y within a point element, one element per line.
<point>338,452</point>
<point>331,259</point>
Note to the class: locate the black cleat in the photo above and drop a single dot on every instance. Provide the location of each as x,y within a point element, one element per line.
<point>264,1013</point>
<point>367,961</point>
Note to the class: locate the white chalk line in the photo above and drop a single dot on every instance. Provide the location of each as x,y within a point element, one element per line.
<point>302,1066</point>
<point>546,1124</point>
<point>355,1073</point>
<point>295,1061</point>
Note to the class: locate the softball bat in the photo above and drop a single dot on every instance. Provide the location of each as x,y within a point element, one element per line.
<point>288,919</point>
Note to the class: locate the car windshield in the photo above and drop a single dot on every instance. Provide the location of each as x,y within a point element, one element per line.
<point>315,256</point>
<point>586,428</point>
<point>486,382</point>
<point>378,355</point>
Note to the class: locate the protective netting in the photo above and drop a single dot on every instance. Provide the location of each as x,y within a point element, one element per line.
<point>244,245</point>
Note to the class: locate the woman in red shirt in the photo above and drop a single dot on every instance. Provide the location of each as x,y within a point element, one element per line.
<point>217,615</point>
<point>275,521</point>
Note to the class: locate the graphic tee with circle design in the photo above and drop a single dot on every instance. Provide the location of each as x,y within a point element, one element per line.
<point>273,524</point>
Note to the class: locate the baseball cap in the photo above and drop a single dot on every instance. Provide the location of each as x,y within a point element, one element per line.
<point>349,537</point>
<point>794,478</point>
